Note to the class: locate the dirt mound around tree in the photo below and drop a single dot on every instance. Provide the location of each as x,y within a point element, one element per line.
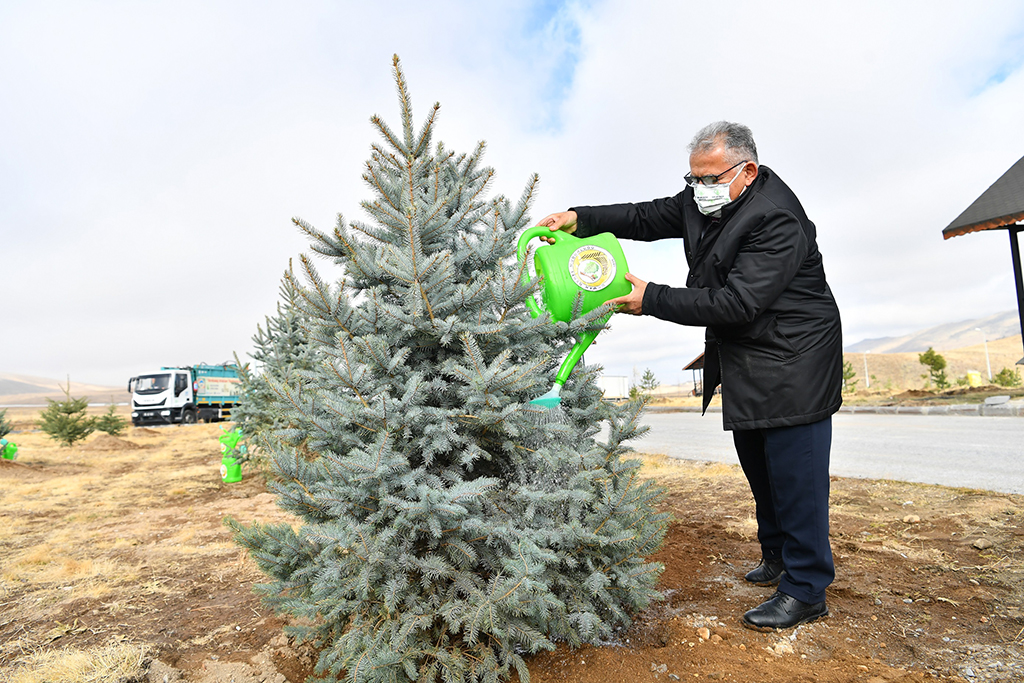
<point>106,442</point>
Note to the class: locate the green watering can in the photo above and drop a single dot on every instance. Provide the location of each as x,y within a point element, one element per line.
<point>592,266</point>
<point>230,466</point>
<point>230,470</point>
<point>8,450</point>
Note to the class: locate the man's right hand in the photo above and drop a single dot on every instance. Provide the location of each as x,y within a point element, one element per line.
<point>565,221</point>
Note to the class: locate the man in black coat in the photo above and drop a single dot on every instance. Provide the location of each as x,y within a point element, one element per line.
<point>773,342</point>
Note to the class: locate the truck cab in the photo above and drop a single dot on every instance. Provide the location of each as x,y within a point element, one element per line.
<point>184,395</point>
<point>165,397</point>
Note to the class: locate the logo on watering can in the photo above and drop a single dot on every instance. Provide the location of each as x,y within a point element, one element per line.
<point>592,268</point>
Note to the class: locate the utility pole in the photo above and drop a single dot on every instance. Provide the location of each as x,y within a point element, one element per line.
<point>867,377</point>
<point>987,363</point>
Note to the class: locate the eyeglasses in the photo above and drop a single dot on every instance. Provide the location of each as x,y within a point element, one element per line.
<point>694,181</point>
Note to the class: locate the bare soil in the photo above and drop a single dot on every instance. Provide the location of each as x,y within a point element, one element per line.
<point>122,542</point>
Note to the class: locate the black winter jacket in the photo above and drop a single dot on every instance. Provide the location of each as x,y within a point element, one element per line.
<point>756,281</point>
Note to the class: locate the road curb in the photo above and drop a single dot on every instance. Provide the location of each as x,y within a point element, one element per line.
<point>1008,409</point>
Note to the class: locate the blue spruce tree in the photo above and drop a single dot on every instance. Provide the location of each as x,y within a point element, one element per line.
<point>447,528</point>
<point>281,350</point>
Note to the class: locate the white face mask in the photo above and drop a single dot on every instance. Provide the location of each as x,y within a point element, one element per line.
<point>711,198</point>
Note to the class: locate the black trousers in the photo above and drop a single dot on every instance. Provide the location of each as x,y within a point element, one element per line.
<point>787,468</point>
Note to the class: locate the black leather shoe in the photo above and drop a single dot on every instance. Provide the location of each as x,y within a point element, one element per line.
<point>767,573</point>
<point>783,611</point>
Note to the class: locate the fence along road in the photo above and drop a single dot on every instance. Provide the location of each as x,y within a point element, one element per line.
<point>952,450</point>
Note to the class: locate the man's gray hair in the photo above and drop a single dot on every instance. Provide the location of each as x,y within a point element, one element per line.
<point>737,139</point>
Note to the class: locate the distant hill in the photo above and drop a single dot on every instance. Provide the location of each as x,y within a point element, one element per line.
<point>27,390</point>
<point>944,337</point>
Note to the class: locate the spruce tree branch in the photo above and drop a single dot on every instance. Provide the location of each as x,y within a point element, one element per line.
<point>376,463</point>
<point>346,417</point>
<point>648,568</point>
<point>386,132</point>
<point>366,548</point>
<point>381,361</point>
<point>359,662</point>
<point>478,286</point>
<point>523,205</point>
<point>383,265</point>
<point>323,239</point>
<point>323,305</point>
<point>359,228</point>
<point>430,309</point>
<point>403,95</point>
<point>472,204</point>
<point>414,248</point>
<point>376,183</point>
<point>526,569</point>
<point>437,181</point>
<point>425,131</point>
<point>388,217</point>
<point>411,185</point>
<point>431,217</point>
<point>629,483</point>
<point>346,502</point>
<point>452,545</point>
<point>350,382</point>
<point>384,159</point>
<point>287,396</point>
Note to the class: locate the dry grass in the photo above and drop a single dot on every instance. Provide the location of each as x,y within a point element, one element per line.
<point>114,663</point>
<point>893,373</point>
<point>85,526</point>
<point>704,485</point>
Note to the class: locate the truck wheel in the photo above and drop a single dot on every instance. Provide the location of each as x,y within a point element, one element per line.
<point>188,417</point>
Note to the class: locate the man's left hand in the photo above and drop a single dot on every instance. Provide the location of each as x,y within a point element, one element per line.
<point>633,302</point>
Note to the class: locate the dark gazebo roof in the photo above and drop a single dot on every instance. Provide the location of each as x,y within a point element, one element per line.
<point>1000,205</point>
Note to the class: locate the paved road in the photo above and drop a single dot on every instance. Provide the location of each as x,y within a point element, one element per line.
<point>975,452</point>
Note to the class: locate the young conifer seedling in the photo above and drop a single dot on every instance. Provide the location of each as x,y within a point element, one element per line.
<point>65,421</point>
<point>110,422</point>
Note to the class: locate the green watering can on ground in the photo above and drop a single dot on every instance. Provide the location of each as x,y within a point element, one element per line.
<point>231,466</point>
<point>8,450</point>
<point>230,470</point>
<point>593,267</point>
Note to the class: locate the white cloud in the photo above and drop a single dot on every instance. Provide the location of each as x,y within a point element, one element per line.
<point>153,154</point>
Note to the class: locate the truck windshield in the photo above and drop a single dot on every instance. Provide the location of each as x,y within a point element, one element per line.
<point>151,384</point>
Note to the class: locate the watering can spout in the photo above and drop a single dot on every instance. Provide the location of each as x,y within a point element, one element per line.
<point>550,399</point>
<point>578,349</point>
<point>554,395</point>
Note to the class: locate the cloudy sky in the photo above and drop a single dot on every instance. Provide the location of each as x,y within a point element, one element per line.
<point>153,154</point>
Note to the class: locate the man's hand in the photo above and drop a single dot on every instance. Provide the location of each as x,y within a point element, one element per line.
<point>565,221</point>
<point>633,302</point>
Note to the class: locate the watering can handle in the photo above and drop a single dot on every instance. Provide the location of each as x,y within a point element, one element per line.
<point>524,239</point>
